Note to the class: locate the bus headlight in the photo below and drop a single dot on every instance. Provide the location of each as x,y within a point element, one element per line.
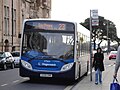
<point>67,67</point>
<point>26,64</point>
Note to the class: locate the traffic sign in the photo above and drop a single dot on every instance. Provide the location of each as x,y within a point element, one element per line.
<point>94,14</point>
<point>94,17</point>
<point>95,22</point>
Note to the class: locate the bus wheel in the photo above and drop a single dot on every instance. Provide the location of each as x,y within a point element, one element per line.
<point>86,73</point>
<point>87,69</point>
<point>79,71</point>
<point>32,79</point>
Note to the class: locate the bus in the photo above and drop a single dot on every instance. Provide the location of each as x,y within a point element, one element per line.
<point>54,49</point>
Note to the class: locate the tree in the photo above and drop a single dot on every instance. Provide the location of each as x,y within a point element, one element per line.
<point>105,30</point>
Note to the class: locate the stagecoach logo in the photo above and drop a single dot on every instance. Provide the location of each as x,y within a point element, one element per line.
<point>46,64</point>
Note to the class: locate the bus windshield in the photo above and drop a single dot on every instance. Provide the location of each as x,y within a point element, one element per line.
<point>48,44</point>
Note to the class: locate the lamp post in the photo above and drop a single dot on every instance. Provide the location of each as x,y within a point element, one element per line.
<point>107,39</point>
<point>90,47</point>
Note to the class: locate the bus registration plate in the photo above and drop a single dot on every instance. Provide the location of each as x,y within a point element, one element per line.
<point>45,75</point>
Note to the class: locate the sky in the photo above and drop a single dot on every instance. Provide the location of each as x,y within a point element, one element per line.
<point>79,10</point>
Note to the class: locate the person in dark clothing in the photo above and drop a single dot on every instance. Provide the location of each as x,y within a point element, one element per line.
<point>98,65</point>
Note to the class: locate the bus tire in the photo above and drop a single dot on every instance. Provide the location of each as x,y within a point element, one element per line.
<point>87,69</point>
<point>79,71</point>
<point>32,79</point>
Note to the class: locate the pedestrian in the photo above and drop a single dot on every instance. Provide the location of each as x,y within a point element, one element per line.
<point>117,64</point>
<point>98,65</point>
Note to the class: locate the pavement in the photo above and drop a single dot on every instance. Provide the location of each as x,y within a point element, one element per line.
<point>107,78</point>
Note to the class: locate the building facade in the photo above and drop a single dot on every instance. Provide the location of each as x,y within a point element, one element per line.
<point>13,12</point>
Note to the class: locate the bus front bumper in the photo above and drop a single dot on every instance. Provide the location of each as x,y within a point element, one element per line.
<point>69,74</point>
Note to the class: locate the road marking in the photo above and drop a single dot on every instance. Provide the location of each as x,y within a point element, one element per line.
<point>26,78</point>
<point>69,87</point>
<point>16,81</point>
<point>4,85</point>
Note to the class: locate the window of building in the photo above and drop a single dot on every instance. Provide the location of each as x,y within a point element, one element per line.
<point>6,20</point>
<point>44,3</point>
<point>38,3</point>
<point>14,22</point>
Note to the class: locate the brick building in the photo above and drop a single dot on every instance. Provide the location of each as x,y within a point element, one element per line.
<point>12,14</point>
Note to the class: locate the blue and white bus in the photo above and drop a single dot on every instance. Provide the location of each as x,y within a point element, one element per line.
<point>54,49</point>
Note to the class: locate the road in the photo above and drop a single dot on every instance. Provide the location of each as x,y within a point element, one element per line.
<point>10,80</point>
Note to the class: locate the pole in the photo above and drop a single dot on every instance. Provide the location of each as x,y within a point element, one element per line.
<point>107,39</point>
<point>90,47</point>
<point>12,25</point>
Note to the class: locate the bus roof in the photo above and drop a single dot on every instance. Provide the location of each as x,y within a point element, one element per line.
<point>49,19</point>
<point>83,30</point>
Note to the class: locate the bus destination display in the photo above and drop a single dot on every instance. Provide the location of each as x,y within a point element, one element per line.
<point>48,26</point>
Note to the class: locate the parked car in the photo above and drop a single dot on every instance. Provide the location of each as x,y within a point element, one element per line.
<point>6,60</point>
<point>112,55</point>
<point>16,56</point>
